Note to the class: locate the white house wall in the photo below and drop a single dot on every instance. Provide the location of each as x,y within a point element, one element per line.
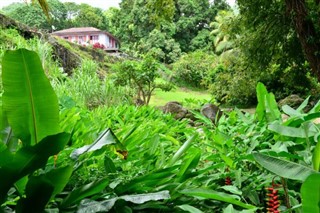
<point>103,39</point>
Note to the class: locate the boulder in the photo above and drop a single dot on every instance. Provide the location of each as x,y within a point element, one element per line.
<point>212,112</point>
<point>293,101</point>
<point>176,109</point>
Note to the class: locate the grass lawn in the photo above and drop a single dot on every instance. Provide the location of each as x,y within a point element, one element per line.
<point>160,98</point>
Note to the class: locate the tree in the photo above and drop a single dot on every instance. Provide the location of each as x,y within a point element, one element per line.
<point>88,16</point>
<point>165,27</point>
<point>222,41</point>
<point>161,46</point>
<point>33,15</point>
<point>192,17</point>
<point>141,76</point>
<point>289,27</point>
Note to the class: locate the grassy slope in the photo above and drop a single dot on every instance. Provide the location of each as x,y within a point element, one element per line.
<point>160,98</point>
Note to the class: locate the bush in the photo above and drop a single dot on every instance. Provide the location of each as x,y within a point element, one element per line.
<point>234,88</point>
<point>98,46</point>
<point>141,76</point>
<point>192,68</point>
<point>236,85</point>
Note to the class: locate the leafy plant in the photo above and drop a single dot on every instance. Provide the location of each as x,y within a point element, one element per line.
<point>31,135</point>
<point>31,115</point>
<point>141,76</point>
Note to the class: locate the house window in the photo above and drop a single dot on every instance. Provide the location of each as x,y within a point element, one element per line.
<point>81,39</point>
<point>66,37</point>
<point>94,38</point>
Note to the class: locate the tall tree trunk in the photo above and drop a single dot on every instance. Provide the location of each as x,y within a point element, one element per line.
<point>308,37</point>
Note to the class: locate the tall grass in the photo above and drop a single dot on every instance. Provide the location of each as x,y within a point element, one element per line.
<point>89,91</point>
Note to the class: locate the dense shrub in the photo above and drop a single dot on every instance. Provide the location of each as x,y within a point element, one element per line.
<point>234,84</point>
<point>192,68</point>
<point>234,88</point>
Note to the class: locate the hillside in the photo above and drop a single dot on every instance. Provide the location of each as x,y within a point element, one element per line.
<point>69,55</point>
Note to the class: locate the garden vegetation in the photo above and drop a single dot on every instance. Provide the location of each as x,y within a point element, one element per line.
<point>78,143</point>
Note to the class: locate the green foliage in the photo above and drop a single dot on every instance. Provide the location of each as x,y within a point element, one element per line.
<point>164,28</point>
<point>311,186</point>
<point>88,90</point>
<point>33,14</point>
<point>37,127</point>
<point>89,16</point>
<point>191,69</point>
<point>141,76</point>
<point>29,101</point>
<point>159,45</point>
<point>26,170</point>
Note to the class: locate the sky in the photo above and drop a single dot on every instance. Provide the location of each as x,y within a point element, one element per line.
<point>104,4</point>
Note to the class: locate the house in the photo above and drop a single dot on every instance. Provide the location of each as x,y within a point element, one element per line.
<point>90,36</point>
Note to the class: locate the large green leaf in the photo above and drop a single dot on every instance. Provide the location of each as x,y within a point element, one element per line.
<point>38,193</point>
<point>59,178</point>
<point>310,193</point>
<point>261,94</point>
<point>267,107</point>
<point>40,189</point>
<point>29,101</point>
<point>107,137</point>
<point>283,168</point>
<point>211,194</point>
<point>305,131</point>
<point>316,157</point>
<point>27,160</point>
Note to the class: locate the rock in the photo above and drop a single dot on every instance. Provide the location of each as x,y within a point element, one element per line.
<point>293,101</point>
<point>212,112</point>
<point>68,59</point>
<point>175,108</point>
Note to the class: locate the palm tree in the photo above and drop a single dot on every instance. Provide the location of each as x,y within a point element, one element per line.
<point>222,41</point>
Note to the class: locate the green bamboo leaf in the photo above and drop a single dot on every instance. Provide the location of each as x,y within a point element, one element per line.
<point>283,168</point>
<point>154,142</point>
<point>182,150</point>
<point>310,193</point>
<point>85,191</point>
<point>190,164</point>
<point>211,194</point>
<point>29,101</point>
